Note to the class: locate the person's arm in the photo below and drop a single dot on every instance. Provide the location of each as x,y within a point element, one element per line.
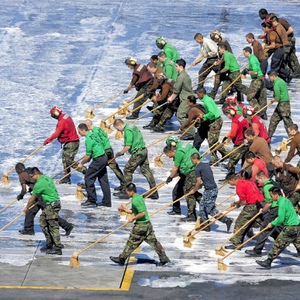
<point>209,108</point>
<point>30,203</point>
<point>233,131</point>
<point>266,207</point>
<point>272,40</point>
<point>125,149</point>
<point>197,186</point>
<point>59,129</point>
<point>291,151</point>
<point>176,91</point>
<point>294,170</point>
<point>255,128</point>
<point>86,159</point>
<point>280,218</point>
<point>174,172</point>
<point>138,216</point>
<point>127,210</point>
<point>132,82</point>
<point>290,30</point>
<point>164,93</point>
<point>192,114</point>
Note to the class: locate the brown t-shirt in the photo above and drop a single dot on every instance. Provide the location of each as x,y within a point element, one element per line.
<point>194,113</point>
<point>155,85</point>
<point>258,50</point>
<point>295,144</point>
<point>24,178</point>
<point>261,149</point>
<point>271,37</point>
<point>164,93</point>
<point>286,25</point>
<point>282,32</point>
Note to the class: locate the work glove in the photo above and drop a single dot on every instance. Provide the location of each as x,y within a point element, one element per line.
<point>125,91</point>
<point>46,142</point>
<point>245,72</point>
<point>19,197</point>
<point>169,179</point>
<point>119,154</point>
<point>29,190</point>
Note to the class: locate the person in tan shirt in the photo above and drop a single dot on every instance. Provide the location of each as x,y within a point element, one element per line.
<point>295,143</point>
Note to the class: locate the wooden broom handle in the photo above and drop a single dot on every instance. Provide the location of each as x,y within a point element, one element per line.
<point>253,218</point>
<point>204,80</point>
<point>68,167</point>
<point>241,245</point>
<point>26,158</point>
<point>228,154</point>
<point>190,126</point>
<point>163,138</point>
<point>130,112</point>
<point>149,112</point>
<point>106,101</point>
<point>228,86</point>
<point>65,176</point>
<point>262,108</point>
<point>203,72</point>
<point>239,55</point>
<point>128,100</point>
<point>8,205</point>
<point>226,199</point>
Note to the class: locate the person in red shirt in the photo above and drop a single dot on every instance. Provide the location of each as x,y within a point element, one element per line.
<point>67,135</point>
<point>238,126</point>
<point>256,165</point>
<point>251,198</point>
<point>257,124</point>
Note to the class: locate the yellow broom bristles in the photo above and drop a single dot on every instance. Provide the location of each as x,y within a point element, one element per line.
<point>79,193</point>
<point>89,114</point>
<point>119,135</point>
<point>5,179</point>
<point>74,262</point>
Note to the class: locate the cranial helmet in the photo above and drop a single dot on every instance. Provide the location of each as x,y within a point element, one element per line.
<point>230,110</point>
<point>160,42</point>
<point>215,35</point>
<point>55,112</point>
<point>248,111</point>
<point>231,99</point>
<point>131,61</point>
<point>161,78</point>
<point>172,140</point>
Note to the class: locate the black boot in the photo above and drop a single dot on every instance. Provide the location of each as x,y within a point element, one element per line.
<point>163,262</point>
<point>118,260</point>
<point>253,253</point>
<point>26,232</point>
<point>265,263</point>
<point>66,180</point>
<point>228,223</point>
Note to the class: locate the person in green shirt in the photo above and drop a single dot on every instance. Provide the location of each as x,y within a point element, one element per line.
<point>135,145</point>
<point>215,124</point>
<point>183,166</point>
<point>141,231</point>
<point>45,188</point>
<point>108,152</point>
<point>97,168</point>
<point>290,233</point>
<point>233,73</point>
<point>183,89</point>
<point>283,108</point>
<point>168,65</point>
<point>257,92</point>
<point>170,50</point>
<point>270,213</point>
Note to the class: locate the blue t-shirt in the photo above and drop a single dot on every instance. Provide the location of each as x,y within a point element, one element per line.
<point>203,170</point>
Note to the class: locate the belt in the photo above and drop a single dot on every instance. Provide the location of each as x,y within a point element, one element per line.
<point>214,57</point>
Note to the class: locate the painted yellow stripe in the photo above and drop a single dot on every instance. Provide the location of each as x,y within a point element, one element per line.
<point>125,284</point>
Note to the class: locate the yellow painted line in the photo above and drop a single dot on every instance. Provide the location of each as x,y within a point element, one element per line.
<point>125,284</point>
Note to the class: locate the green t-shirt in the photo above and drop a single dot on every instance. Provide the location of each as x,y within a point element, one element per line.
<point>138,206</point>
<point>45,187</point>
<point>93,144</point>
<point>171,52</point>
<point>254,66</point>
<point>133,138</point>
<point>266,191</point>
<point>280,90</point>
<point>230,62</point>
<point>182,158</point>
<point>103,137</point>
<point>286,213</point>
<point>169,69</point>
<point>211,108</point>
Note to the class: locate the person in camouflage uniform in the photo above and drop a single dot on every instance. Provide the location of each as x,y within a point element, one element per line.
<point>134,143</point>
<point>108,151</point>
<point>251,198</point>
<point>181,153</point>
<point>290,233</point>
<point>45,188</point>
<point>141,231</point>
<point>182,89</point>
<point>257,92</point>
<point>215,124</point>
<point>283,108</point>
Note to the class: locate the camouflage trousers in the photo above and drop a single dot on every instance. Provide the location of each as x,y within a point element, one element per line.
<point>289,234</point>
<point>235,157</point>
<point>136,104</point>
<point>207,64</point>
<point>49,225</point>
<point>143,232</point>
<point>213,137</point>
<point>247,213</point>
<point>70,150</point>
<point>164,114</point>
<point>217,82</point>
<point>281,112</point>
<point>293,59</point>
<point>295,198</point>
<point>237,85</point>
<point>158,112</point>
<point>257,94</point>
<point>139,158</point>
<point>114,165</point>
<point>182,115</point>
<point>208,205</point>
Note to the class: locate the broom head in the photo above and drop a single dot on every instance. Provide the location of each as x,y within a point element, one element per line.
<point>198,222</point>
<point>103,124</point>
<point>89,114</point>
<point>5,179</point>
<point>283,145</point>
<point>221,265</point>
<point>123,213</point>
<point>74,262</point>
<point>220,251</point>
<point>79,193</point>
<point>119,134</point>
<point>158,162</point>
<point>129,216</point>
<point>187,242</point>
<point>111,119</point>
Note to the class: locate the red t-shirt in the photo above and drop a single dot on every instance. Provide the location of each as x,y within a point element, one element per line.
<point>258,165</point>
<point>248,191</point>
<point>238,126</point>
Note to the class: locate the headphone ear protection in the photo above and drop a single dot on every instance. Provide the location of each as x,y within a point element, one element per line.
<point>232,112</point>
<point>173,143</point>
